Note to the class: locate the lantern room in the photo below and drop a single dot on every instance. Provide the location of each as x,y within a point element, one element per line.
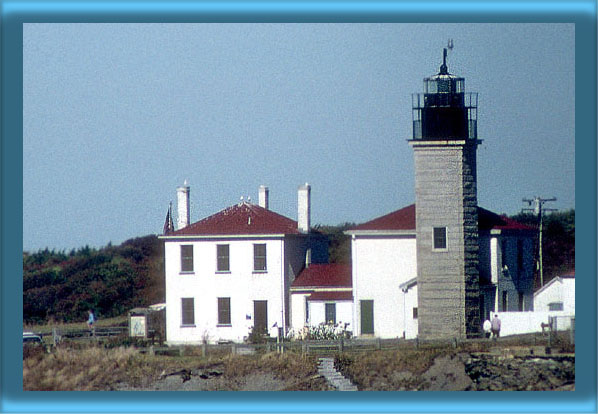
<point>444,111</point>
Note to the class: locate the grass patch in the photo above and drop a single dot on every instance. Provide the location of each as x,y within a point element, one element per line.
<point>88,367</point>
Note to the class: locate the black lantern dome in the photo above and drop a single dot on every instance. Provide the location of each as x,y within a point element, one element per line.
<point>444,111</point>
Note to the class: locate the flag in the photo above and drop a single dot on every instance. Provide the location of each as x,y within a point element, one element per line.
<point>168,225</point>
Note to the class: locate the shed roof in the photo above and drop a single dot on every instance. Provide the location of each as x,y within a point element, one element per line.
<point>324,275</point>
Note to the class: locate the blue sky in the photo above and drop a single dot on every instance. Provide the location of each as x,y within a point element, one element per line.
<point>116,116</point>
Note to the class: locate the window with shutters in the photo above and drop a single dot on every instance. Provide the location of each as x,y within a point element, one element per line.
<point>188,312</point>
<point>331,313</point>
<point>259,258</point>
<point>224,311</point>
<point>223,258</point>
<point>187,258</point>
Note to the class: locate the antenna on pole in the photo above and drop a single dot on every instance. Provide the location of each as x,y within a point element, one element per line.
<point>443,67</point>
<point>538,210</point>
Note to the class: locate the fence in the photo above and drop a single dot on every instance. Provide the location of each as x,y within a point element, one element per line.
<point>355,345</point>
<point>516,323</point>
<point>321,347</point>
<point>58,334</point>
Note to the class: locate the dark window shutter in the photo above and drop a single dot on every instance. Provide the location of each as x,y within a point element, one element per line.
<point>188,311</point>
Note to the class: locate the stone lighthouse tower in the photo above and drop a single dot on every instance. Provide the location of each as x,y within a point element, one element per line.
<point>444,144</point>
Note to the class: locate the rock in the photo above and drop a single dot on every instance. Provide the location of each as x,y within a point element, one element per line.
<point>447,374</point>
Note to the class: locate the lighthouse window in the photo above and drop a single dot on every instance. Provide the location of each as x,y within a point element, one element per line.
<point>439,237</point>
<point>443,85</point>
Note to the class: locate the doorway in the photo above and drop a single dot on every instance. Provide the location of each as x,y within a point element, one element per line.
<point>260,316</point>
<point>367,317</point>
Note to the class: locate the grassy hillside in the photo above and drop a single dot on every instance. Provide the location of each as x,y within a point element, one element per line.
<point>63,287</point>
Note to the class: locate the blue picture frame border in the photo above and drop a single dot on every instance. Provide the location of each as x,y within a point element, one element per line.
<point>15,13</point>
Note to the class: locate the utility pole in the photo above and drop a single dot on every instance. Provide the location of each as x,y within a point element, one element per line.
<point>538,210</point>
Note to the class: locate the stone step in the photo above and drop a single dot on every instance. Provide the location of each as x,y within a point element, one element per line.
<point>335,378</point>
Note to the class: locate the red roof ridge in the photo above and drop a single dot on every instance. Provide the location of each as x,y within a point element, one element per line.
<point>241,218</point>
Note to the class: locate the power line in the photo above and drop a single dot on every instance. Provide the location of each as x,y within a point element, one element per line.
<point>539,210</point>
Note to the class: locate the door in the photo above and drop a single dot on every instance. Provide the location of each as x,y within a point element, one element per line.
<point>260,316</point>
<point>367,317</point>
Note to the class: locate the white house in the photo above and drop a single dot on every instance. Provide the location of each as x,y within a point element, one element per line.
<point>322,293</point>
<point>232,271</point>
<point>384,271</point>
<point>557,295</point>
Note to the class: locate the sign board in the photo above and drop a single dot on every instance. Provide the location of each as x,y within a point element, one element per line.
<point>137,326</point>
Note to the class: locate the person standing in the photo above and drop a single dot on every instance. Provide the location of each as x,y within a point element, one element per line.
<point>487,327</point>
<point>495,327</point>
<point>90,323</point>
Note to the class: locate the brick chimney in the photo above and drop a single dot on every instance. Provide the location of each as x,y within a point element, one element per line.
<point>304,208</point>
<point>183,205</point>
<point>264,197</point>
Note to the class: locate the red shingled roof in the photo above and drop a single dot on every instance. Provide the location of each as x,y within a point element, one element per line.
<point>331,295</point>
<point>404,219</point>
<point>243,218</point>
<point>324,275</point>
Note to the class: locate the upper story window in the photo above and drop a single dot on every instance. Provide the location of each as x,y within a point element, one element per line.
<point>555,306</point>
<point>259,257</point>
<point>440,238</point>
<point>187,311</point>
<point>223,258</point>
<point>187,258</point>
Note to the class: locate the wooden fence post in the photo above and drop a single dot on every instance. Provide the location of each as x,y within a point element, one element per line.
<point>378,344</point>
<point>203,350</point>
<point>341,345</point>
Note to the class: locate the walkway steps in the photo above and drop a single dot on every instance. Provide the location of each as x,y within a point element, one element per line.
<point>327,370</point>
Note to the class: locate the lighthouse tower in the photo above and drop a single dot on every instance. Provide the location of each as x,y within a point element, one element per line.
<point>444,143</point>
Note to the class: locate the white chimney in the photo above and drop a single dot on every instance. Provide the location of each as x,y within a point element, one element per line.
<point>304,208</point>
<point>183,206</point>
<point>264,197</point>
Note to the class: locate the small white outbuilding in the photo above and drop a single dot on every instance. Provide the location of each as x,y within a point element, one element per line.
<point>557,295</point>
